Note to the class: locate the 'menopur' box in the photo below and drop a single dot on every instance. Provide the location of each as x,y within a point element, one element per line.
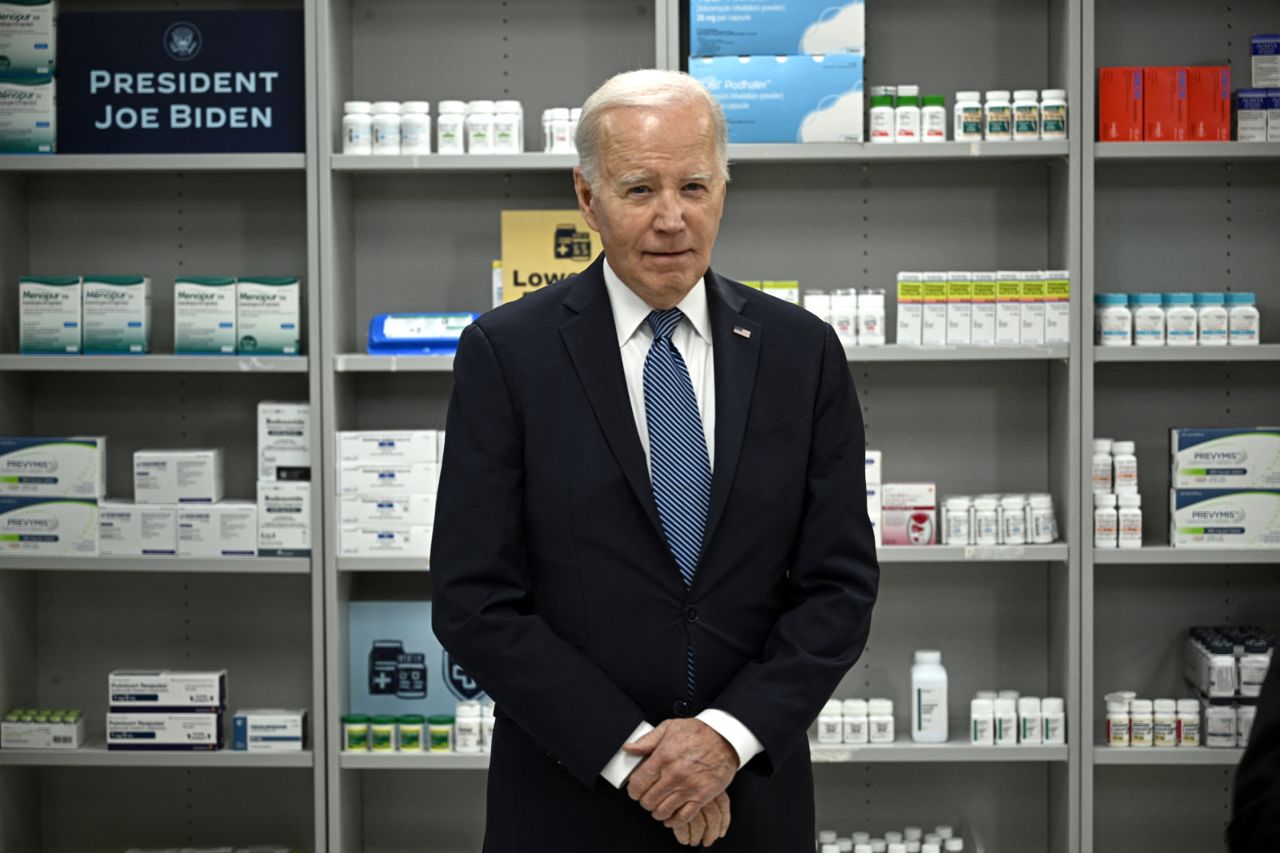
<point>50,310</point>
<point>268,314</point>
<point>1120,104</point>
<point>204,316</point>
<point>1225,458</point>
<point>164,689</point>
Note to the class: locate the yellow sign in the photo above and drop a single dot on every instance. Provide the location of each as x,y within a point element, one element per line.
<point>541,247</point>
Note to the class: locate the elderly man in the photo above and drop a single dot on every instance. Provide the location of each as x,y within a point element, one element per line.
<point>651,542</point>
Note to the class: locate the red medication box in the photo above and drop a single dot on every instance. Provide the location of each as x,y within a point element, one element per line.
<point>1209,104</point>
<point>1120,104</point>
<point>1164,104</point>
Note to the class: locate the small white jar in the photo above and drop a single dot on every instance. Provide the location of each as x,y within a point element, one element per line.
<point>955,527</point>
<point>1113,324</point>
<point>1053,715</point>
<point>467,727</point>
<point>933,119</point>
<point>1006,716</point>
<point>871,318</point>
<point>1165,731</point>
<point>1141,723</point>
<point>1148,319</point>
<point>1211,319</point>
<point>1129,521</point>
<point>1125,478</point>
<point>968,122</point>
<point>386,127</point>
<point>1013,520</point>
<point>508,127</point>
<point>1102,465</point>
<point>357,127</point>
<point>1026,116</point>
<point>997,116</point>
<point>575,115</point>
<point>1189,728</point>
<point>1043,525</point>
<point>561,131</point>
<point>451,127</point>
<point>1030,721</point>
<point>906,115</point>
<point>1053,114</point>
<point>881,119</point>
<point>1119,731</point>
<point>880,718</point>
<point>1180,320</point>
<point>856,729</point>
<point>986,521</point>
<point>1106,521</point>
<point>831,723</point>
<point>480,127</point>
<point>415,127</point>
<point>982,722</point>
<point>1244,323</point>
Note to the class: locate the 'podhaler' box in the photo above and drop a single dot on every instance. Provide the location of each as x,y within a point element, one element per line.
<point>1225,458</point>
<point>786,98</point>
<point>720,28</point>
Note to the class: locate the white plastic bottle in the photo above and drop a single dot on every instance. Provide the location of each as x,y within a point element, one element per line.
<point>1119,730</point>
<point>928,698</point>
<point>1006,714</point>
<point>1053,114</point>
<point>881,119</point>
<point>1043,526</point>
<point>451,127</point>
<point>1189,730</point>
<point>480,127</point>
<point>1244,324</point>
<point>986,521</point>
<point>1211,319</point>
<point>575,115</point>
<point>997,115</point>
<point>982,722</point>
<point>1053,713</point>
<point>415,127</point>
<point>508,127</point>
<point>1125,478</point>
<point>1013,520</point>
<point>906,115</point>
<point>357,127</point>
<point>880,718</point>
<point>1105,520</point>
<point>561,131</point>
<point>1102,465</point>
<point>1179,319</point>
<point>1141,723</point>
<point>386,127</point>
<point>968,122</point>
<point>956,529</point>
<point>1165,723</point>
<point>856,729</point>
<point>933,119</point>
<point>1129,521</point>
<point>1148,319</point>
<point>1030,722</point>
<point>871,318</point>
<point>468,728</point>
<point>831,723</point>
<point>1113,324</point>
<point>1026,116</point>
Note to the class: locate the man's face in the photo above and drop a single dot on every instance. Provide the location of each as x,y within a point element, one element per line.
<point>658,198</point>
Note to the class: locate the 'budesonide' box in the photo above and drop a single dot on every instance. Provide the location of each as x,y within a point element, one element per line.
<point>284,518</point>
<point>720,28</point>
<point>284,441</point>
<point>166,689</point>
<point>149,730</point>
<point>394,446</point>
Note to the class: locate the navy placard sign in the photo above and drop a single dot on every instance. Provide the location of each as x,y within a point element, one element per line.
<point>181,82</point>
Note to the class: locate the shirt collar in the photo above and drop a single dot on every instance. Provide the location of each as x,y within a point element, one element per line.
<point>630,311</point>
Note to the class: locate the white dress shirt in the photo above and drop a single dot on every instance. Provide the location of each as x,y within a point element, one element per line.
<point>693,340</point>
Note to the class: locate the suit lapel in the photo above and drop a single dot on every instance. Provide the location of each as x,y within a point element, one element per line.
<point>592,342</point>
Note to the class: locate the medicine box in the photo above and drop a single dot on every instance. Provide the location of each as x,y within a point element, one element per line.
<point>1273,115</point>
<point>284,441</point>
<point>167,689</point>
<point>117,314</point>
<point>397,447</point>
<point>1164,104</point>
<point>1264,52</point>
<point>387,511</point>
<point>50,310</point>
<point>1008,308</point>
<point>1252,115</point>
<point>284,518</point>
<point>204,316</point>
<point>933,322</point>
<point>786,98</point>
<point>384,541</point>
<point>1057,307</point>
<point>143,730</point>
<point>717,28</point>
<point>982,324</point>
<point>1224,518</point>
<point>418,478</point>
<point>27,115</point>
<point>908,513</point>
<point>47,735</point>
<point>1033,309</point>
<point>875,465</point>
<point>127,529</point>
<point>268,730</point>
<point>268,315</point>
<point>29,36</point>
<point>225,529</point>
<point>37,467</point>
<point>910,308</point>
<point>1209,103</point>
<point>959,309</point>
<point>177,476</point>
<point>874,509</point>
<point>54,527</point>
<point>787,291</point>
<point>1120,99</point>
<point>1225,458</point>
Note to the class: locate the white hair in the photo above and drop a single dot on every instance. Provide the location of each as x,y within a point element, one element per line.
<point>649,87</point>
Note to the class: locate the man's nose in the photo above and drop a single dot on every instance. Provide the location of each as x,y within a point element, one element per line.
<point>670,213</point>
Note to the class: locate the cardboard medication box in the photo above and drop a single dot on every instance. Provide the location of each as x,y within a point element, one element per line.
<point>908,513</point>
<point>126,529</point>
<point>933,315</point>
<point>146,730</point>
<point>1252,115</point>
<point>722,28</point>
<point>400,447</point>
<point>284,441</point>
<point>177,476</point>
<point>117,315</point>
<point>284,518</point>
<point>46,735</point>
<point>1225,458</point>
<point>225,529</point>
<point>204,316</point>
<point>1224,518</point>
<point>982,328</point>
<point>48,526</point>
<point>910,308</point>
<point>167,689</point>
<point>417,478</point>
<point>385,541</point>
<point>1209,104</point>
<point>50,310</point>
<point>1008,308</point>
<point>1264,51</point>
<point>38,467</point>
<point>268,315</point>
<point>1120,104</point>
<point>28,106</point>
<point>1164,104</point>
<point>1057,307</point>
<point>387,511</point>
<point>268,730</point>
<point>786,98</point>
<point>1273,115</point>
<point>29,36</point>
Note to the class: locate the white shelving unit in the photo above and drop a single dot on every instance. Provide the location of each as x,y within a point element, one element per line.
<point>152,364</point>
<point>1201,757</point>
<point>226,565</point>
<point>99,756</point>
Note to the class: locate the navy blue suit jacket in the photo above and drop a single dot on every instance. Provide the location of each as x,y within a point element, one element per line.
<point>553,586</point>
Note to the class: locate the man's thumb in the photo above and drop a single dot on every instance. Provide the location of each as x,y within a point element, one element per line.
<point>644,745</point>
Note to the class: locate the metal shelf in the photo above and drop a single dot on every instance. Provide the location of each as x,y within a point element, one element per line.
<point>97,755</point>
<point>1056,553</point>
<point>413,761</point>
<point>1199,756</point>
<point>193,565</point>
<point>1186,150</point>
<point>153,163</point>
<point>1261,352</point>
<point>360,363</point>
<point>1164,554</point>
<point>155,363</point>
<point>529,162</point>
<point>382,564</point>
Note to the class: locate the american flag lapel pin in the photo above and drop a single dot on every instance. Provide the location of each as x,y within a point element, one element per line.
<point>738,330</point>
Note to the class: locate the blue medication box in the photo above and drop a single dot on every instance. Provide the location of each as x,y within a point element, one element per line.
<point>720,28</point>
<point>786,98</point>
<point>417,334</point>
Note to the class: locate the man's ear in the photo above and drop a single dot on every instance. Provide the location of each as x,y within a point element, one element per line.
<point>585,197</point>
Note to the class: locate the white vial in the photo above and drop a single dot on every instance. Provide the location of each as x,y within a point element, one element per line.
<point>982,722</point>
<point>1013,523</point>
<point>357,127</point>
<point>1244,323</point>
<point>827,836</point>
<point>1053,714</point>
<point>1189,733</point>
<point>467,727</point>
<point>1148,319</point>
<point>968,122</point>
<point>912,833</point>
<point>986,521</point>
<point>862,848</point>
<point>1030,722</point>
<point>480,127</point>
<point>871,318</point>
<point>451,127</point>
<point>831,723</point>
<point>1043,525</point>
<point>854,712</point>
<point>879,845</point>
<point>1220,726</point>
<point>861,838</point>
<point>508,127</point>
<point>1118,724</point>
<point>955,527</point>
<point>929,847</point>
<point>1113,324</point>
<point>1102,465</point>
<point>881,119</point>
<point>906,115</point>
<point>1141,723</point>
<point>386,127</point>
<point>1254,663</point>
<point>1245,715</point>
<point>933,119</point>
<point>1053,114</point>
<point>893,837</point>
<point>561,131</point>
<point>1125,479</point>
<point>415,127</point>
<point>1006,714</point>
<point>1129,521</point>
<point>928,698</point>
<point>1211,319</point>
<point>1180,319</point>
<point>1106,521</point>
<point>954,845</point>
<point>997,116</point>
<point>880,717</point>
<point>1165,731</point>
<point>1026,116</point>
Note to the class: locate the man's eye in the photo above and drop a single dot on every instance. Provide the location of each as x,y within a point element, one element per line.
<point>641,190</point>
<point>694,187</point>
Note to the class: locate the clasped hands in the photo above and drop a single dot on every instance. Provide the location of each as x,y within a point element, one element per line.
<point>682,780</point>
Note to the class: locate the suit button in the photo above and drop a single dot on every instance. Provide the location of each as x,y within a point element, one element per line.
<point>691,613</point>
<point>681,707</point>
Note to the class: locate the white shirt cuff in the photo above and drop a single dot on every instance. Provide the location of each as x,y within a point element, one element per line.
<point>739,736</point>
<point>622,763</point>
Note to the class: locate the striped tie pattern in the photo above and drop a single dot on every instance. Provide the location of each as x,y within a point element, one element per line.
<point>681,470</point>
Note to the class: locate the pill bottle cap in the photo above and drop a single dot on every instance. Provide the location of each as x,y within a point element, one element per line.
<point>452,106</point>
<point>881,101</point>
<point>880,707</point>
<point>1028,705</point>
<point>1188,706</point>
<point>1241,299</point>
<point>1102,445</point>
<point>986,694</point>
<point>386,108</point>
<point>1005,707</point>
<point>997,95</point>
<point>1011,695</point>
<point>1024,95</point>
<point>411,719</point>
<point>981,707</point>
<point>440,720</point>
<point>357,107</point>
<point>1165,706</point>
<point>1111,299</point>
<point>355,719</point>
<point>1131,501</point>
<point>1053,705</point>
<point>908,90</point>
<point>1210,298</point>
<point>508,106</point>
<point>1123,447</point>
<point>1053,94</point>
<point>854,707</point>
<point>928,656</point>
<point>832,708</point>
<point>1012,501</point>
<point>1103,500</point>
<point>968,95</point>
<point>480,106</point>
<point>826,836</point>
<point>1141,706</point>
<point>407,107</point>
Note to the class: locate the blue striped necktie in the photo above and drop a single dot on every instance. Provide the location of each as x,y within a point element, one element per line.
<point>680,468</point>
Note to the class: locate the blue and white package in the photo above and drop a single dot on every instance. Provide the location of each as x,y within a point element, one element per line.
<point>1239,458</point>
<point>1224,518</point>
<point>1264,52</point>
<point>786,98</point>
<point>418,334</point>
<point>720,28</point>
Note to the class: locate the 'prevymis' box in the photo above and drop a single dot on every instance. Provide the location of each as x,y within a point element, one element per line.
<point>395,447</point>
<point>1120,104</point>
<point>389,510</point>
<point>48,526</point>
<point>1225,458</point>
<point>786,98</point>
<point>167,689</point>
<point>177,476</point>
<point>1265,54</point>
<point>1224,518</point>
<point>38,467</point>
<point>117,314</point>
<point>29,36</point>
<point>127,529</point>
<point>204,316</point>
<point>226,529</point>
<point>268,314</point>
<point>49,314</point>
<point>268,730</point>
<point>284,518</point>
<point>284,441</point>
<point>28,106</point>
<point>144,730</point>
<point>722,28</point>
